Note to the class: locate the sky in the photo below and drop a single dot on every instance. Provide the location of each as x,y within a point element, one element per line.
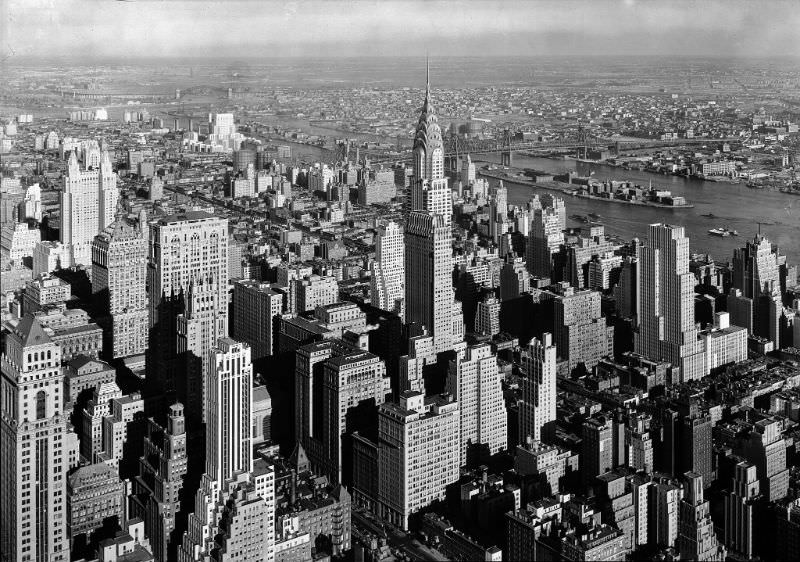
<point>345,28</point>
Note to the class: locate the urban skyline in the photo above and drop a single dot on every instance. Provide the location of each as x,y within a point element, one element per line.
<point>546,309</point>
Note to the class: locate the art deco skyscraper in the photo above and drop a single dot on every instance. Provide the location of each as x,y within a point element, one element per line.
<point>119,266</point>
<point>696,537</point>
<point>387,281</point>
<point>429,280</point>
<point>741,507</point>
<point>429,190</point>
<point>87,203</point>
<point>33,452</point>
<point>157,489</point>
<point>537,409</point>
<point>546,236</point>
<point>498,212</point>
<point>229,384</point>
<point>233,488</point>
<point>756,272</point>
<point>666,329</point>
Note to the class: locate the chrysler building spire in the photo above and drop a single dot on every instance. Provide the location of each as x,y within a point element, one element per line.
<point>429,190</point>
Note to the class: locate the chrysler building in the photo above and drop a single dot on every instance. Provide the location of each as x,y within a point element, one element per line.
<point>429,189</point>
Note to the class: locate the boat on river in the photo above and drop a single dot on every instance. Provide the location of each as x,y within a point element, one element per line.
<point>722,232</point>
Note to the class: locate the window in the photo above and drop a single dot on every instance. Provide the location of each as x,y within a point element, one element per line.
<point>41,399</point>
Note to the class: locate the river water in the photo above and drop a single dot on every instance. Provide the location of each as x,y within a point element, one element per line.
<point>735,205</point>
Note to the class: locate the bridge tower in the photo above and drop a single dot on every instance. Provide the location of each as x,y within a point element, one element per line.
<point>583,150</point>
<point>505,155</point>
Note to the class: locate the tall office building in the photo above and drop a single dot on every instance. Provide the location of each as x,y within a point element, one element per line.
<point>119,266</point>
<point>475,383</point>
<point>87,204</point>
<point>581,334</point>
<point>545,238</point>
<point>663,506</point>
<point>229,384</point>
<point>256,308</point>
<point>467,172</point>
<point>429,190</point>
<point>418,454</point>
<point>695,449</point>
<point>597,451</point>
<point>696,537</point>
<point>157,489</point>
<point>498,212</point>
<point>33,453</point>
<point>235,505</point>
<point>188,249</point>
<point>766,448</point>
<point>429,278</point>
<point>388,272</point>
<point>335,383</point>
<point>514,278</point>
<point>757,273</point>
<point>665,311</point>
<point>625,292</point>
<point>741,504</point>
<point>537,408</point>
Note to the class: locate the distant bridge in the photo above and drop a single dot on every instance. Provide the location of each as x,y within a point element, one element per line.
<point>458,146</point>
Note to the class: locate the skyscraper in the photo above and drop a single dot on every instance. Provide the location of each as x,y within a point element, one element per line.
<point>546,237</point>
<point>334,384</point>
<point>87,203</point>
<point>665,311</point>
<point>741,505</point>
<point>537,408</point>
<point>429,190</point>
<point>387,281</point>
<point>417,454</point>
<point>235,505</point>
<point>474,381</point>
<point>756,272</point>
<point>33,456</point>
<point>498,212</point>
<point>229,384</point>
<point>597,455</point>
<point>696,537</point>
<point>581,334</point>
<point>255,310</point>
<point>467,172</point>
<point>185,249</point>
<point>157,489</point>
<point>119,265</point>
<point>429,281</point>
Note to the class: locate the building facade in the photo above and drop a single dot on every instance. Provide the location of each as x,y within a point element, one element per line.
<point>88,202</point>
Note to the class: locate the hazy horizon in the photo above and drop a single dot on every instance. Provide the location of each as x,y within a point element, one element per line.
<point>250,29</point>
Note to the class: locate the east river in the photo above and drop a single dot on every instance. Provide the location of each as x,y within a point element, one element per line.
<point>735,207</point>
